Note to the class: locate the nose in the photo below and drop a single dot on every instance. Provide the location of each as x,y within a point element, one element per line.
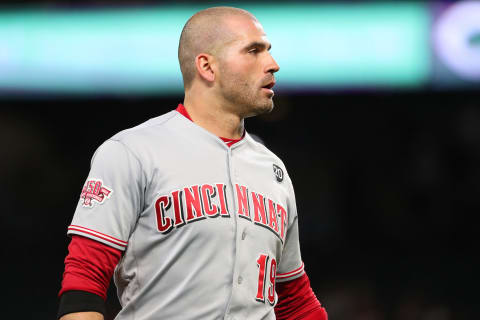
<point>271,66</point>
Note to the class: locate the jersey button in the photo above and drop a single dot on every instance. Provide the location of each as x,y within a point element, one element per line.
<point>240,280</point>
<point>244,234</point>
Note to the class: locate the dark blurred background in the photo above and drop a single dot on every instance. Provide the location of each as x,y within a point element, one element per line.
<point>386,181</point>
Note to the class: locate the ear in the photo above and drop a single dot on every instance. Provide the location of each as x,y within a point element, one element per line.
<point>203,63</point>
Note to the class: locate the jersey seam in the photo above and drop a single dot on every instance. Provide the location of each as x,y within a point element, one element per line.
<point>145,126</point>
<point>137,278</point>
<point>142,168</point>
<point>131,241</point>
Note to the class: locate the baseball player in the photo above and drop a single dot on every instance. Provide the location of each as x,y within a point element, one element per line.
<point>192,217</point>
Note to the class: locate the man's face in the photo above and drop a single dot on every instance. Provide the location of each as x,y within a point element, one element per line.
<point>246,69</point>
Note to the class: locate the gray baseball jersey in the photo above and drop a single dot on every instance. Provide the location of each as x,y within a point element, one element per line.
<point>206,229</point>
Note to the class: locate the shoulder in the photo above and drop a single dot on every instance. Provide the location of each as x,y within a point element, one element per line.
<point>141,138</point>
<point>261,150</point>
<point>148,128</point>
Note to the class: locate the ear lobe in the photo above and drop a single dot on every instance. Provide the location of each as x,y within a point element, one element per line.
<point>203,63</point>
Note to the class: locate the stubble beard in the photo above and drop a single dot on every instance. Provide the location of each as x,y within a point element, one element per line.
<point>246,99</point>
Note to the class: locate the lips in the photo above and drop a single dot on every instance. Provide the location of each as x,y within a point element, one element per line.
<point>269,85</point>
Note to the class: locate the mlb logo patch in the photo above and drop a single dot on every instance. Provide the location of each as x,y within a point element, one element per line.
<point>93,192</point>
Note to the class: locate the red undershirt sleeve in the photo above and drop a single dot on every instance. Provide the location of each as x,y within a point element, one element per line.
<point>89,266</point>
<point>296,300</point>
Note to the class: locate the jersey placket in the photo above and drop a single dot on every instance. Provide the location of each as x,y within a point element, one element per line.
<point>235,272</point>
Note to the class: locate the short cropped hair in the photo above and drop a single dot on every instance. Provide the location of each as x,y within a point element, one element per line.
<point>204,32</point>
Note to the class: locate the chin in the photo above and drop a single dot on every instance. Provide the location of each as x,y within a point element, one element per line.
<point>262,109</point>
<point>269,108</point>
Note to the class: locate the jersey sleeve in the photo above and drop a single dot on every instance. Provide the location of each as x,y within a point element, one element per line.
<point>111,198</point>
<point>296,300</point>
<point>291,265</point>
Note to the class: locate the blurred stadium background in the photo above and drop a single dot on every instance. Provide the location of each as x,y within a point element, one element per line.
<point>377,118</point>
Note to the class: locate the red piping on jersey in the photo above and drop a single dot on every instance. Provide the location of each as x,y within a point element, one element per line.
<point>229,142</point>
<point>103,234</point>
<point>291,273</point>
<point>99,235</point>
<point>90,264</point>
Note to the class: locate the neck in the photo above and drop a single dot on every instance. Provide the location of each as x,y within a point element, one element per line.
<point>214,117</point>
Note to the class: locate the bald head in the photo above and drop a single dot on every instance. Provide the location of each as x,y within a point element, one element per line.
<point>205,32</point>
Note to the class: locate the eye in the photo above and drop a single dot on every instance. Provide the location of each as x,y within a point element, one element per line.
<point>254,50</point>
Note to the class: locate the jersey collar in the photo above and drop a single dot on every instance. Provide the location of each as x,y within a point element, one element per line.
<point>229,142</point>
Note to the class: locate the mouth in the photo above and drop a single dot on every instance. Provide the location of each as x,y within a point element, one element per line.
<point>268,87</point>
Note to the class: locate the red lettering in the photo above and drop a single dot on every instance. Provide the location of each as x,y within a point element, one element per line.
<point>177,207</point>
<point>208,192</point>
<point>91,184</point>
<point>164,223</point>
<point>259,209</point>
<point>192,202</point>
<point>223,200</point>
<point>272,216</point>
<point>262,262</point>
<point>271,289</point>
<point>105,192</point>
<point>96,188</point>
<point>283,220</point>
<point>242,200</point>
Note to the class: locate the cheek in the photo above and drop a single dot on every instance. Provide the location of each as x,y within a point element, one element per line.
<point>239,78</point>
<point>239,73</point>
<point>241,64</point>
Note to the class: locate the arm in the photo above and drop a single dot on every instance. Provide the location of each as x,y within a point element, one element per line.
<point>100,229</point>
<point>296,300</point>
<point>88,269</point>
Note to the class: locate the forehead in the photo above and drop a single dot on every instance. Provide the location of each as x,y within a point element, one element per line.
<point>245,30</point>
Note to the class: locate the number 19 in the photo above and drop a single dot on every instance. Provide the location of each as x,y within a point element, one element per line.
<point>262,264</point>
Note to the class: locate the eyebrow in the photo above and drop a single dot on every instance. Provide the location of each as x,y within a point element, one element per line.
<point>258,44</point>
